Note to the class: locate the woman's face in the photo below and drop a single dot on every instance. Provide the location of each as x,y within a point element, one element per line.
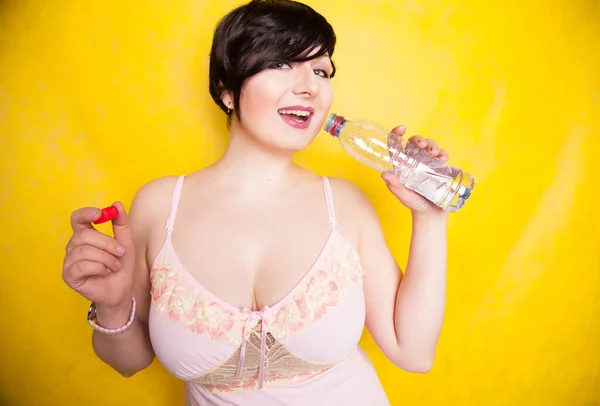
<point>283,108</point>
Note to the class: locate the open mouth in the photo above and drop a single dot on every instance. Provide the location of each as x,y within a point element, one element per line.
<point>298,115</point>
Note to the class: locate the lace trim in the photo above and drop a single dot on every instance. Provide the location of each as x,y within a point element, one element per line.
<point>173,295</point>
<point>337,275</point>
<point>266,361</point>
<point>281,366</point>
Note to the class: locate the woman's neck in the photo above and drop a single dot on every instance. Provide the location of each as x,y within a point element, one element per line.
<point>255,166</point>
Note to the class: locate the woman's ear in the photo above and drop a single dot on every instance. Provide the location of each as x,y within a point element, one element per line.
<point>227,99</point>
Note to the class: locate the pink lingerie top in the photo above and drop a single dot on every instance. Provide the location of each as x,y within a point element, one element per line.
<point>302,350</point>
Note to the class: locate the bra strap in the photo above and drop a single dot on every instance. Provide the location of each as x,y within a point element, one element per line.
<point>329,199</point>
<point>174,204</point>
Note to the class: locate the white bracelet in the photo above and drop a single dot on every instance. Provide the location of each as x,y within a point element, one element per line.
<point>91,318</point>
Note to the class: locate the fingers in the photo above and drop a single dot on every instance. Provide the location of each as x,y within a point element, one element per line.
<point>400,130</point>
<point>121,228</point>
<point>443,155</point>
<point>421,142</point>
<point>430,146</point>
<point>82,218</point>
<point>92,254</point>
<point>90,236</point>
<point>83,269</point>
<point>84,261</point>
<point>390,179</point>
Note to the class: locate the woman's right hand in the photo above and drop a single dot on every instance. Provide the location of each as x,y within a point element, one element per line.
<point>98,266</point>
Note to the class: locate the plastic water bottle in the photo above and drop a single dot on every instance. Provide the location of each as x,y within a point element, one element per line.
<point>444,185</point>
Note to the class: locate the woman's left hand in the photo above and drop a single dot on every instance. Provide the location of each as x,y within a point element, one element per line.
<point>416,203</point>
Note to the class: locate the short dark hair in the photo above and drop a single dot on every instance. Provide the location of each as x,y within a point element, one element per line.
<point>260,34</point>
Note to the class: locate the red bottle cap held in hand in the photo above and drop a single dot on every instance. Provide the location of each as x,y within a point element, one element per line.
<point>108,213</point>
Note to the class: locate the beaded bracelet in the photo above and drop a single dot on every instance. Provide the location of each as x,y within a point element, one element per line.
<point>91,318</point>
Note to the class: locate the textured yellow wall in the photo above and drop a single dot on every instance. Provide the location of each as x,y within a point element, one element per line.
<point>97,98</point>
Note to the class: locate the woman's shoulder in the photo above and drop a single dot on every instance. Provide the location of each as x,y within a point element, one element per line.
<point>347,192</point>
<point>352,204</point>
<point>159,185</point>
<point>156,189</point>
<point>153,198</point>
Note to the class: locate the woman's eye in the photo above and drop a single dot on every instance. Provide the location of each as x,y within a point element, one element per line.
<point>281,65</point>
<point>322,72</point>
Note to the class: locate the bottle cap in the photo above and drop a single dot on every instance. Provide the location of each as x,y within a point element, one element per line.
<point>334,124</point>
<point>108,213</point>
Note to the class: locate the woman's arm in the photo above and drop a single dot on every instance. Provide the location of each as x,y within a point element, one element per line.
<point>132,351</point>
<point>405,314</point>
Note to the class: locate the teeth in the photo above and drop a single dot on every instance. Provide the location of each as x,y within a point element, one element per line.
<point>300,113</point>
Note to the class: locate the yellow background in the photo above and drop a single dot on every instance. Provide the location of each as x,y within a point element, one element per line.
<point>96,98</point>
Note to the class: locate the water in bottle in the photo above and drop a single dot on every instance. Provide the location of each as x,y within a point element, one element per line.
<point>444,185</point>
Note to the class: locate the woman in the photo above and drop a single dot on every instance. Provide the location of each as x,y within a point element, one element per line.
<point>252,279</point>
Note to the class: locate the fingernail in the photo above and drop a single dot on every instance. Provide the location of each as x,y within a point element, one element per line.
<point>117,265</point>
<point>120,250</point>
